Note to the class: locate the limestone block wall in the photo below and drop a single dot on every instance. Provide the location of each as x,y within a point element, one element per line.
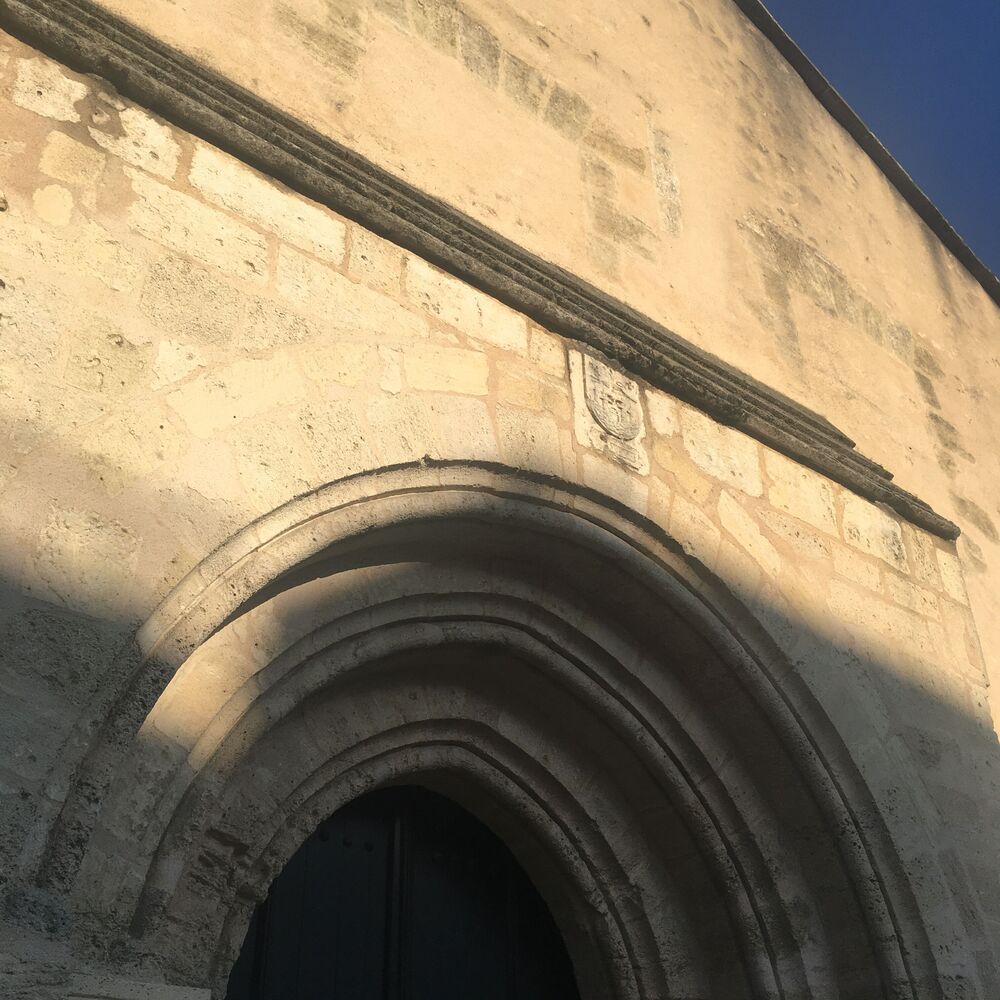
<point>668,153</point>
<point>185,346</point>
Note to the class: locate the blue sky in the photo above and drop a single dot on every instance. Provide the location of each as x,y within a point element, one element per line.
<point>924,75</point>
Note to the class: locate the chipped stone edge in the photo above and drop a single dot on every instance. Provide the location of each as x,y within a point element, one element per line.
<point>89,39</point>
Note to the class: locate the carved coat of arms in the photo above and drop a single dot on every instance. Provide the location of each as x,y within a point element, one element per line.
<point>608,411</point>
<point>613,399</point>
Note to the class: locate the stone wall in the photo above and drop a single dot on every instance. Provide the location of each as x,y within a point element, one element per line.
<point>185,346</point>
<point>670,155</point>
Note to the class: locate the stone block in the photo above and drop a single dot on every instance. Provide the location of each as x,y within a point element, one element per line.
<point>273,461</point>
<point>745,530</point>
<point>391,369</point>
<point>346,362</point>
<point>65,159</point>
<point>871,529</point>
<point>41,86</point>
<point>187,226</point>
<point>725,454</point>
<point>376,262</point>
<point>106,987</point>
<point>520,386</point>
<point>408,428</point>
<point>189,303</point>
<point>130,447</point>
<point>229,183</point>
<point>529,440</point>
<point>951,576</point>
<point>501,327</point>
<point>694,530</point>
<point>547,351</point>
<point>174,361</point>
<point>800,492</point>
<point>102,359</point>
<point>446,369</point>
<point>922,553</point>
<point>137,138</point>
<point>266,325</point>
<point>338,442</point>
<point>611,480</point>
<point>800,538</point>
<point>911,595</point>
<point>220,399</point>
<point>852,566</point>
<point>663,413</point>
<point>341,304</point>
<point>86,562</point>
<point>88,250</point>
<point>443,296</point>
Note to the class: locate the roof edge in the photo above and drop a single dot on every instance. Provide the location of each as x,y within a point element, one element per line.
<point>848,118</point>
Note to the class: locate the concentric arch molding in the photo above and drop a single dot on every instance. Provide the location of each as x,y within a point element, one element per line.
<point>89,39</point>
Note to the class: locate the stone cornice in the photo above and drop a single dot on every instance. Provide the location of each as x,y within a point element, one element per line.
<point>89,39</point>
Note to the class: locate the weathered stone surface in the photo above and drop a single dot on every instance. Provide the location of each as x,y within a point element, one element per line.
<point>53,204</point>
<point>228,183</point>
<point>745,530</point>
<point>694,530</point>
<point>85,563</point>
<point>376,262</point>
<point>445,369</point>
<point>547,351</point>
<point>65,159</point>
<point>663,413</point>
<point>724,454</point>
<point>612,480</point>
<point>183,300</point>
<point>529,440</point>
<point>441,295</point>
<point>154,405</point>
<point>42,86</point>
<point>855,567</point>
<point>951,576</point>
<point>800,491</point>
<point>341,304</point>
<point>183,224</point>
<point>220,399</point>
<point>872,530</point>
<point>135,136</point>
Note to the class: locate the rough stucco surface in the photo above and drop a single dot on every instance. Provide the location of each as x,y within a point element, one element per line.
<point>185,347</point>
<point>669,154</point>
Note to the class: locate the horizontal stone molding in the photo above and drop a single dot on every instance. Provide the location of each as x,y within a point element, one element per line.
<point>89,39</point>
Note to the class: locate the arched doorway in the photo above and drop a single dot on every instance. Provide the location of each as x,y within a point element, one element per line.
<point>402,895</point>
<point>554,663</point>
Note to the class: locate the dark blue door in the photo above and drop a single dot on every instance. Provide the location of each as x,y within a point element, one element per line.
<point>403,895</point>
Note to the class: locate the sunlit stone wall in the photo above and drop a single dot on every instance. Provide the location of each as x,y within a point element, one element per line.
<point>185,346</point>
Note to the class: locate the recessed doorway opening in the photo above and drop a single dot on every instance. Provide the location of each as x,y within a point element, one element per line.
<point>403,895</point>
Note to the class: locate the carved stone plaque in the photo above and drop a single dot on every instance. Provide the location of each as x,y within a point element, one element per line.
<point>613,399</point>
<point>608,415</point>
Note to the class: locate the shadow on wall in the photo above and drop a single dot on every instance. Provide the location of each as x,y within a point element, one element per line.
<point>704,814</point>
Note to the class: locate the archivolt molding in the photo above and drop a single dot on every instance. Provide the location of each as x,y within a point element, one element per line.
<point>92,40</point>
<point>648,626</point>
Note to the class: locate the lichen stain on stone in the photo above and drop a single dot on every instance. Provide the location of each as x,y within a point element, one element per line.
<point>336,44</point>
<point>976,516</point>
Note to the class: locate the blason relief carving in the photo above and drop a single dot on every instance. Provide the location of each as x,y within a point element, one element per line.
<point>607,411</point>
